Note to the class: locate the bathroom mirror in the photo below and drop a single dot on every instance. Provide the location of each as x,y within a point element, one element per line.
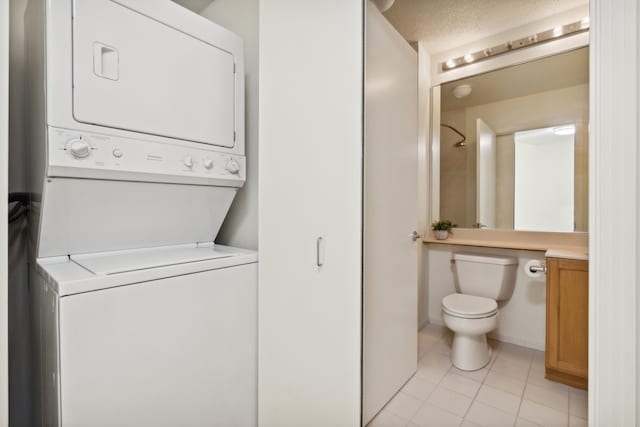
<point>513,147</point>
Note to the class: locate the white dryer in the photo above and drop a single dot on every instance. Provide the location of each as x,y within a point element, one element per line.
<point>152,337</point>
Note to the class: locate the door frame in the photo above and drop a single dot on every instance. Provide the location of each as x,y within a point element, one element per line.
<point>614,185</point>
<point>614,198</point>
<point>4,186</point>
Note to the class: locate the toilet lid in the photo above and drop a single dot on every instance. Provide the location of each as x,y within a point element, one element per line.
<point>469,306</point>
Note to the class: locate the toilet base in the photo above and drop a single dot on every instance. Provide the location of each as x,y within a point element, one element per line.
<point>470,352</point>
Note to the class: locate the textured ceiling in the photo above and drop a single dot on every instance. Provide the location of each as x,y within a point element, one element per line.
<point>196,6</point>
<point>555,72</point>
<point>446,24</point>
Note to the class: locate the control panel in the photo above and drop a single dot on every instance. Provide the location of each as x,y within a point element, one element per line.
<point>87,155</point>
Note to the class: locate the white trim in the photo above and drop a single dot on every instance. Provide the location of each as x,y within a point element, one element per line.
<point>434,165</point>
<point>424,129</point>
<point>613,200</point>
<point>4,183</point>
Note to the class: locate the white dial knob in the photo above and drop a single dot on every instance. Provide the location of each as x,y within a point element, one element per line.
<point>208,163</point>
<point>79,148</point>
<point>188,162</point>
<point>233,167</point>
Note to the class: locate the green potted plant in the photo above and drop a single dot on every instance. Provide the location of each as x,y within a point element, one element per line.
<point>442,228</point>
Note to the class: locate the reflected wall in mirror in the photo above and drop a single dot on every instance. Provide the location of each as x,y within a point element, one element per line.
<point>514,151</point>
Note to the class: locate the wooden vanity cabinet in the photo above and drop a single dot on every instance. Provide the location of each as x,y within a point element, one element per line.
<point>567,335</point>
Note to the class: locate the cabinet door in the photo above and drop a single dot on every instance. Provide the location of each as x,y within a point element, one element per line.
<point>310,187</point>
<point>568,316</point>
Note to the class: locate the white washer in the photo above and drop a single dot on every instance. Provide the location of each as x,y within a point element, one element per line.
<point>153,337</point>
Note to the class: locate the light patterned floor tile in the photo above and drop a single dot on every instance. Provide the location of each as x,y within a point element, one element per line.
<point>577,421</point>
<point>387,419</point>
<point>578,405</point>
<point>542,415</point>
<point>443,347</point>
<point>505,383</point>
<point>451,401</point>
<point>460,384</point>
<point>556,398</point>
<point>419,388</point>
<point>436,360</point>
<point>538,356</point>
<point>521,422</point>
<point>431,374</point>
<point>510,391</point>
<point>513,369</point>
<point>517,358</point>
<point>502,400</point>
<point>403,405</point>
<point>577,392</point>
<point>477,375</point>
<point>436,331</point>
<point>426,343</point>
<point>488,416</point>
<point>540,380</point>
<point>432,416</point>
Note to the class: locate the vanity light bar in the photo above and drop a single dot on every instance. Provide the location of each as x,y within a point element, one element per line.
<point>532,40</point>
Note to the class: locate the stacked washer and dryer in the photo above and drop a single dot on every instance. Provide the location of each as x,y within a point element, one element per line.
<point>136,148</point>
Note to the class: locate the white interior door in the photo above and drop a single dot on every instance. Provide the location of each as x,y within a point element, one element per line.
<point>485,175</point>
<point>310,187</point>
<point>391,179</point>
<point>133,72</point>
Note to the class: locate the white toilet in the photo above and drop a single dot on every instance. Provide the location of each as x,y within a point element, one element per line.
<point>481,281</point>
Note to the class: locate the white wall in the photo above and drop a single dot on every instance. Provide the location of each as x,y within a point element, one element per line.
<point>544,188</point>
<point>4,150</point>
<point>522,318</point>
<point>240,227</point>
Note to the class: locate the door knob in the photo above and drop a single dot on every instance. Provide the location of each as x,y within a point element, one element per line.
<point>414,236</point>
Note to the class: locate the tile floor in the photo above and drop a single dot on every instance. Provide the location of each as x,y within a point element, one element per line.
<point>510,391</point>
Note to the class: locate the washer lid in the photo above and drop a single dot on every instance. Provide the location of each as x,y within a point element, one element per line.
<point>469,305</point>
<point>141,259</point>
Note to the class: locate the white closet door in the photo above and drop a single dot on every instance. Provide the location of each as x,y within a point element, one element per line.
<point>310,187</point>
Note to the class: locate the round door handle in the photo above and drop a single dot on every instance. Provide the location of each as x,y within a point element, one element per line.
<point>414,236</point>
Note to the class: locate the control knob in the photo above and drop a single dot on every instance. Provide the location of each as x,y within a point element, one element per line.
<point>233,167</point>
<point>79,148</point>
<point>208,163</point>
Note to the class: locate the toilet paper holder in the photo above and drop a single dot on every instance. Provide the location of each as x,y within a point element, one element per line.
<point>542,268</point>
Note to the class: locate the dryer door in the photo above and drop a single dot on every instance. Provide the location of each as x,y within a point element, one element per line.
<point>133,72</point>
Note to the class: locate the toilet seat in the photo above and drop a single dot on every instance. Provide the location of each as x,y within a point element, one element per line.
<point>469,306</point>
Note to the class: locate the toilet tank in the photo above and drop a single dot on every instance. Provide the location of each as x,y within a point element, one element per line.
<point>488,276</point>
